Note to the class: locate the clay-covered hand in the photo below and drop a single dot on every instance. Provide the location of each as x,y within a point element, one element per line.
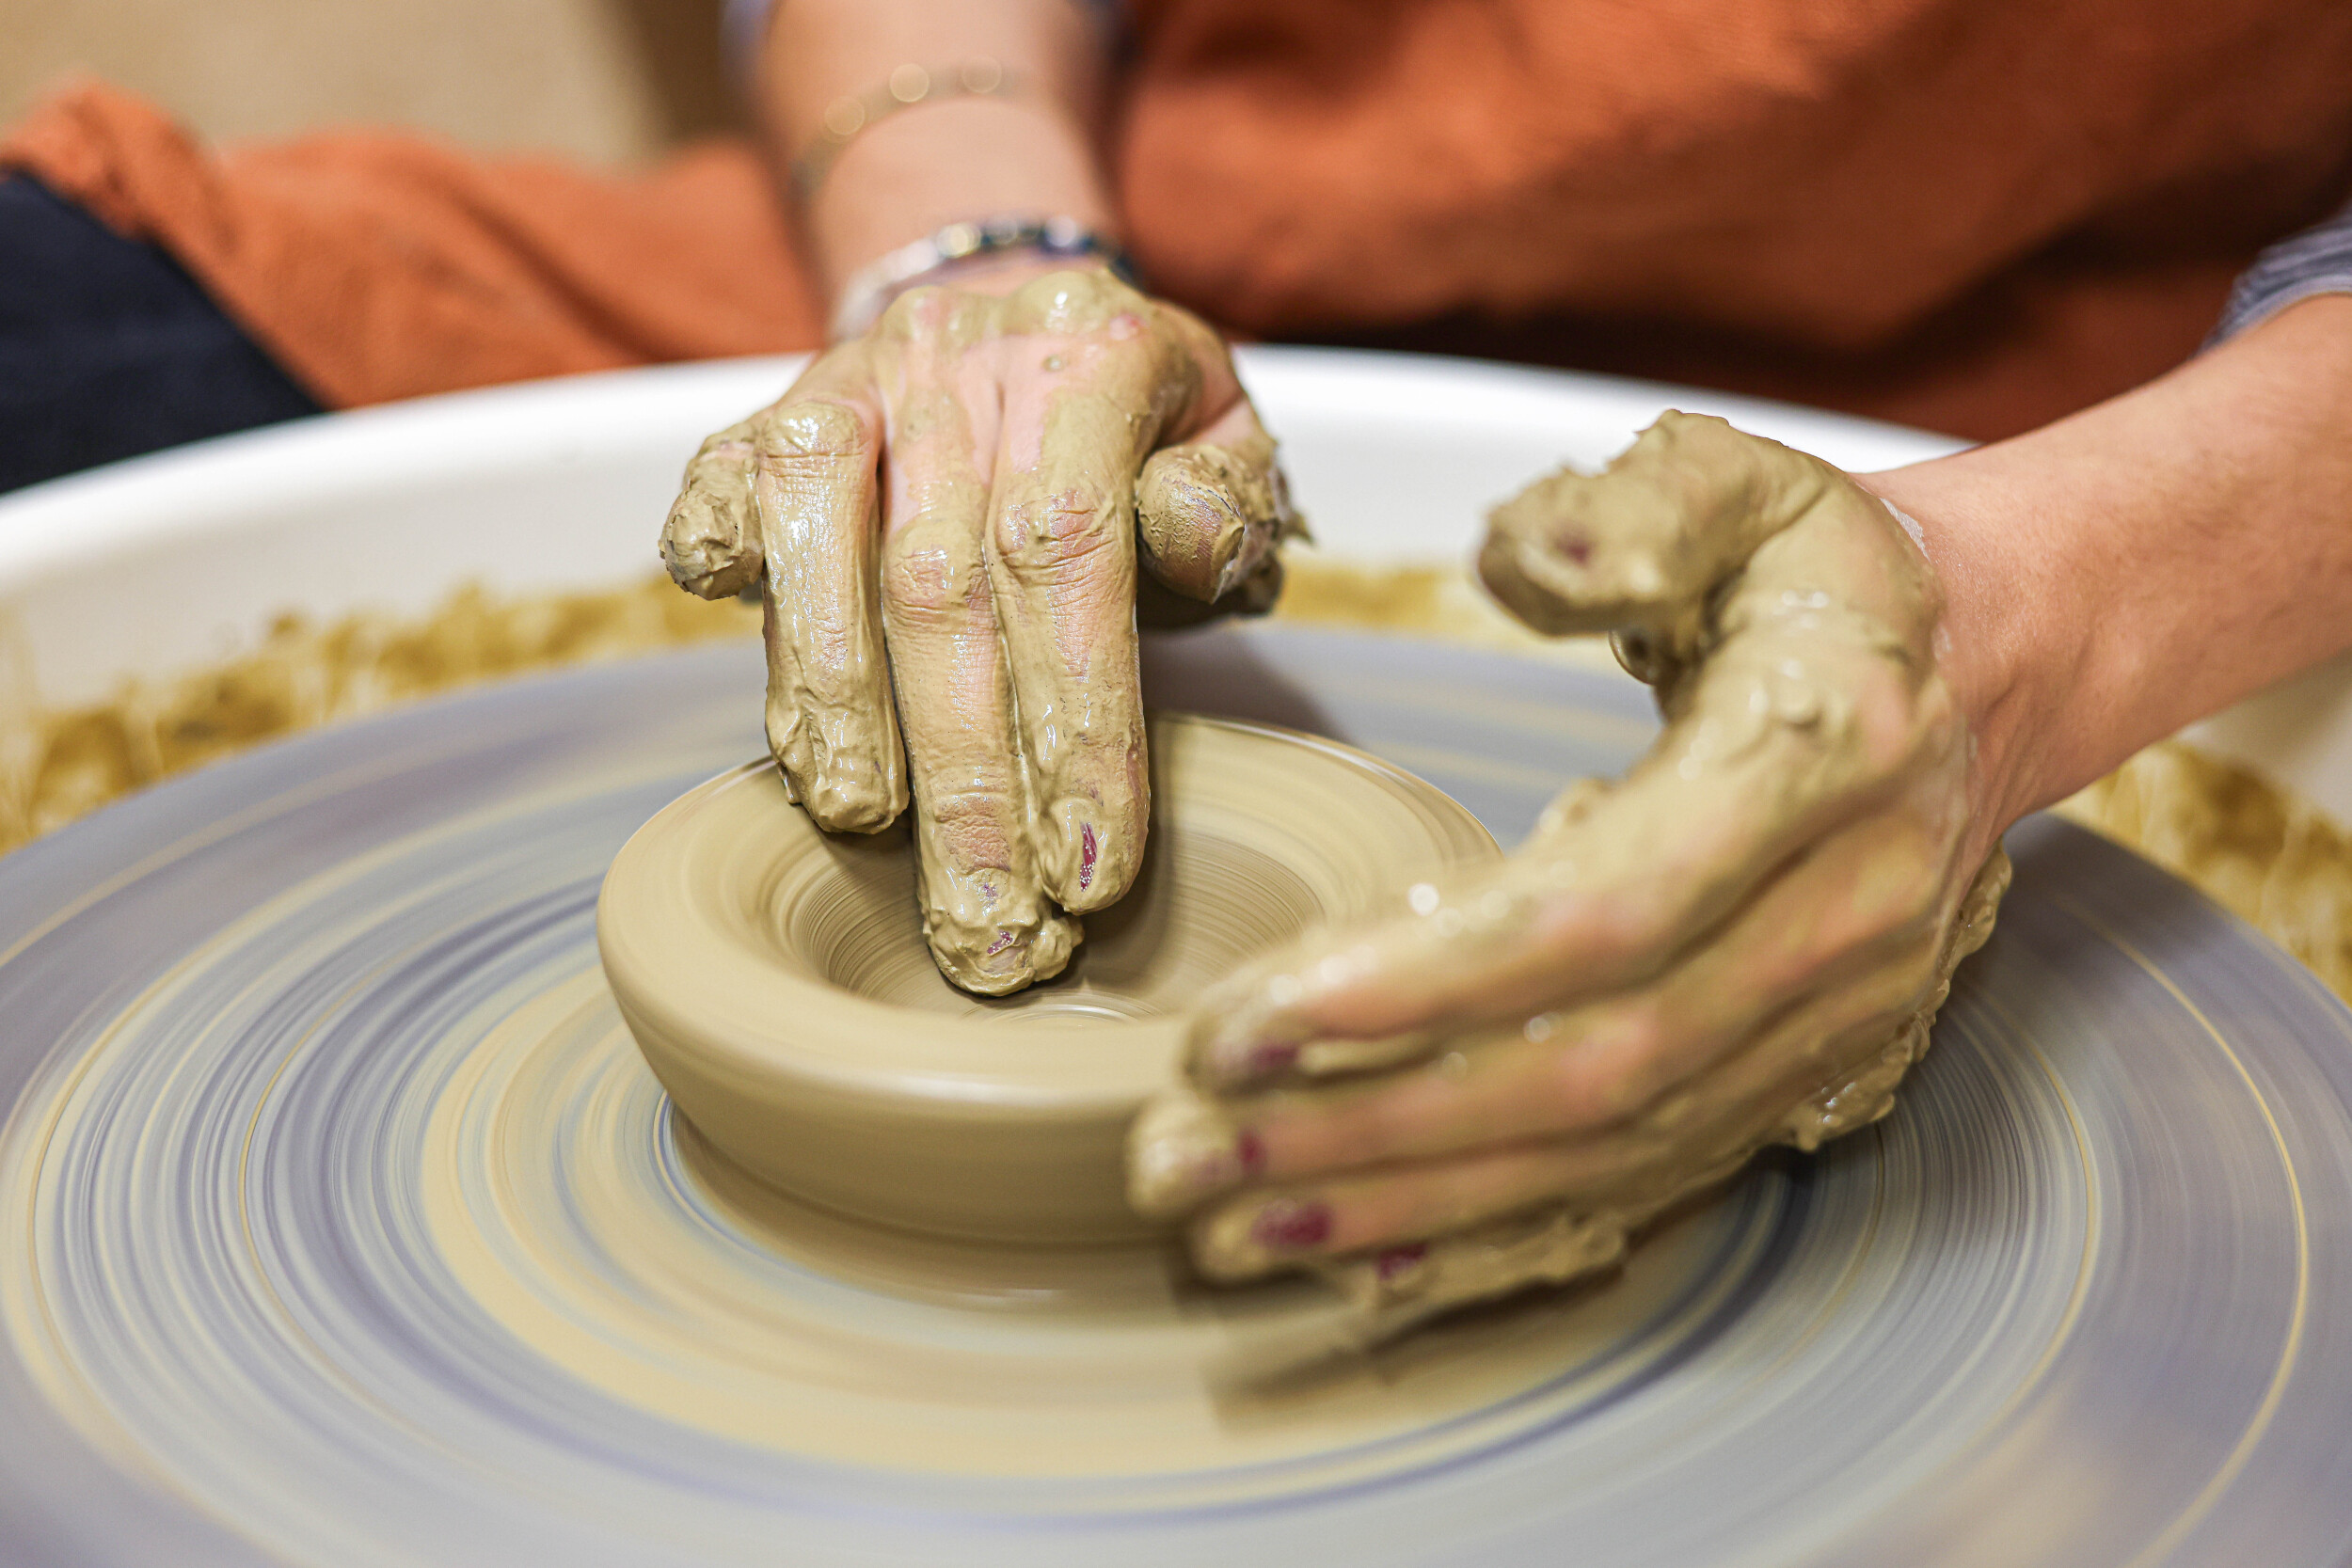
<point>946,517</point>
<point>1741,944</point>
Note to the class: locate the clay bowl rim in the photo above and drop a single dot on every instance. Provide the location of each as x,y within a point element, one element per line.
<point>836,1034</point>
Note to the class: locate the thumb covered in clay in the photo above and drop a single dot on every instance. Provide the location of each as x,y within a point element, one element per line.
<point>710,542</point>
<point>1637,548</point>
<point>1211,515</point>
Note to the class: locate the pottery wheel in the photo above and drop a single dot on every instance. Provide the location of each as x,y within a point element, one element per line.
<point>346,1227</point>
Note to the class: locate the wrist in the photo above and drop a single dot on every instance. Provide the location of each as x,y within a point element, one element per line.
<point>910,176</point>
<point>2009,647</point>
<point>925,113</point>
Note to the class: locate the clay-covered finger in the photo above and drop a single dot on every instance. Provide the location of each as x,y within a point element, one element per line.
<point>1559,1071</point>
<point>1860,895</point>
<point>1575,916</point>
<point>1395,1287</point>
<point>985,911</point>
<point>1087,388</point>
<point>1392,1290</point>
<point>1258,1233</point>
<point>1159,608</point>
<point>1815,700</point>
<point>1212,511</point>
<point>710,541</point>
<point>830,718</point>
<point>1832,1065</point>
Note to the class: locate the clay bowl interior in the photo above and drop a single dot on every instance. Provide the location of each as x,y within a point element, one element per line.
<point>777,980</point>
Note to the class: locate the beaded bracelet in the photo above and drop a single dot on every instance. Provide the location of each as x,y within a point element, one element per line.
<point>845,118</point>
<point>956,248</point>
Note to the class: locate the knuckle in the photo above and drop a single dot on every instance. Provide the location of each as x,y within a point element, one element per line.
<point>921,315</point>
<point>1068,288</point>
<point>969,810</point>
<point>817,428</point>
<point>1633,921</point>
<point>1080,300</point>
<point>1058,530</point>
<point>975,843</point>
<point>1858,721</point>
<point>1643,1039</point>
<point>1613,1069</point>
<point>1384,1126</point>
<point>932,582</point>
<point>1572,1096</point>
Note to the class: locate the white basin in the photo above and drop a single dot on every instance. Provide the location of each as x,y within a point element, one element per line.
<point>157,565</point>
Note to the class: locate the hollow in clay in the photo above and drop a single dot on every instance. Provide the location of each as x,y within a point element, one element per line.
<point>777,979</point>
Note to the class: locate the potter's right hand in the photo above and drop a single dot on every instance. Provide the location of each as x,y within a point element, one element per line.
<point>945,516</point>
<point>1739,944</point>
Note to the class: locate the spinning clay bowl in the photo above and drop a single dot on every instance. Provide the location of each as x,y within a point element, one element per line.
<point>776,978</point>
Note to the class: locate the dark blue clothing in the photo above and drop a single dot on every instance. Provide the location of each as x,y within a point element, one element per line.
<point>108,348</point>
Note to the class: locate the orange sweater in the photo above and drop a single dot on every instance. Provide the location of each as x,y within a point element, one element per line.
<point>1973,215</point>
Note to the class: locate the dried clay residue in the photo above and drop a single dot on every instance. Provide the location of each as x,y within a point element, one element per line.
<point>57,764</point>
<point>2262,851</point>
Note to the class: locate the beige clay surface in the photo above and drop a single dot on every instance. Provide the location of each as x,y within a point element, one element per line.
<point>778,980</point>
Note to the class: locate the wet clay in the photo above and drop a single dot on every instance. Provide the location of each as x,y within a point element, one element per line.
<point>777,979</point>
<point>949,520</point>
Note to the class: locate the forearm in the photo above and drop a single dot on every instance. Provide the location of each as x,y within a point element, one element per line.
<point>2140,564</point>
<point>1031,152</point>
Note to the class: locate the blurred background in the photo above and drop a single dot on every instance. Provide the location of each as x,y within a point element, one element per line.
<point>612,81</point>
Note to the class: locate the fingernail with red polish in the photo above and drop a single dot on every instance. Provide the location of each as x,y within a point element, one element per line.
<point>1287,1225</point>
<point>1264,1061</point>
<point>1086,850</point>
<point>1212,1157</point>
<point>1236,1063</point>
<point>1398,1262</point>
<point>1225,1165</point>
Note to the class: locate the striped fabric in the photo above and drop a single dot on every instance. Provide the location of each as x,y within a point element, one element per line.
<point>2316,261</point>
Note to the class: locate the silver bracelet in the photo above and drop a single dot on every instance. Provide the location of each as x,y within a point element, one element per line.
<point>959,248</point>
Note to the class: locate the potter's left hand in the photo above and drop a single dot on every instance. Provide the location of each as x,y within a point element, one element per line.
<point>954,521</point>
<point>1741,944</point>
